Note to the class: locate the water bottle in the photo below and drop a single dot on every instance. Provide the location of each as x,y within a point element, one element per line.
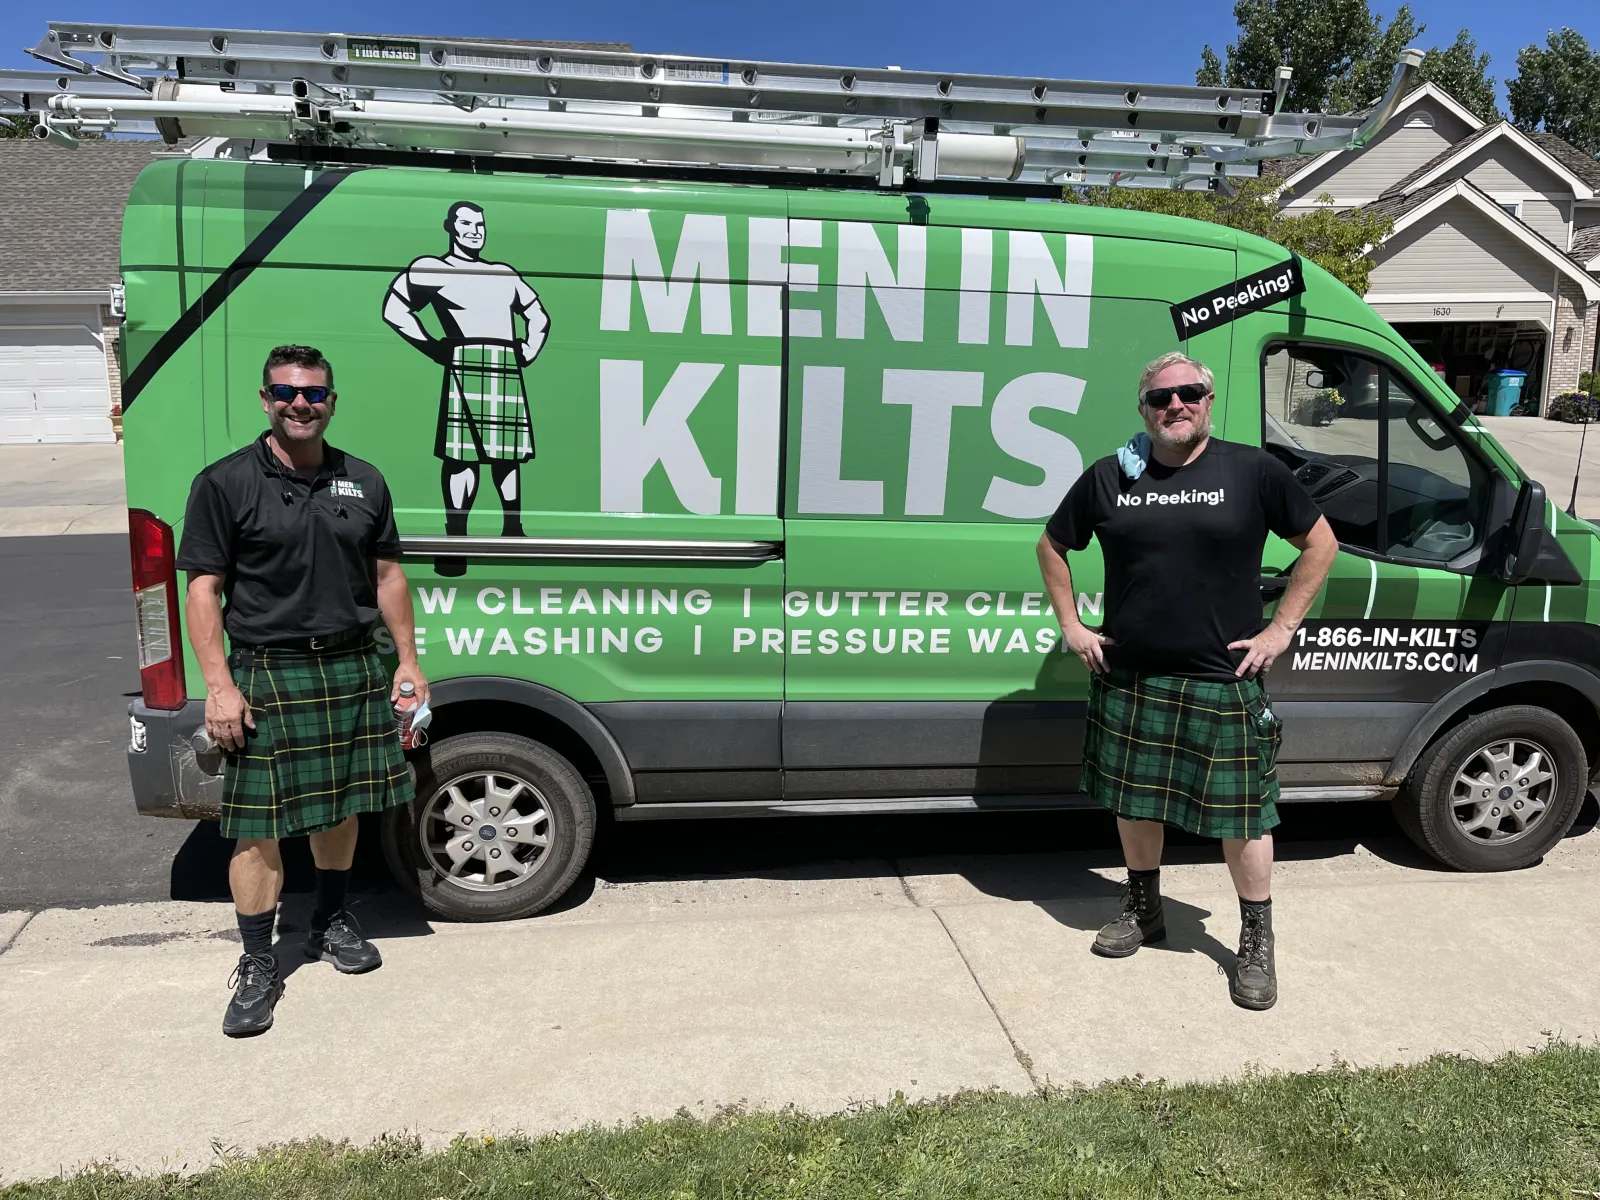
<point>410,738</point>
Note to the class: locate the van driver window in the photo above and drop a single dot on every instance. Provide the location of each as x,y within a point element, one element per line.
<point>1321,418</point>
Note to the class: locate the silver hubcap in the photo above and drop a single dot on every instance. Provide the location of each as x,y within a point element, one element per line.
<point>486,832</point>
<point>1503,791</point>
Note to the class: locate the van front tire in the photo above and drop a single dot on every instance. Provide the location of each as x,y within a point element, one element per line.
<point>1497,792</point>
<point>501,828</point>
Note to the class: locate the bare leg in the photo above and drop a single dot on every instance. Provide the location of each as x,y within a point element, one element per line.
<point>459,482</point>
<point>1141,843</point>
<point>506,481</point>
<point>255,875</point>
<point>335,849</point>
<point>1250,864</point>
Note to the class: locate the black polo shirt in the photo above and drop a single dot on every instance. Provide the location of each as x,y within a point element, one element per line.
<point>298,557</point>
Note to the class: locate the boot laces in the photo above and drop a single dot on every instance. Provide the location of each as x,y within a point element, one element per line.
<point>1135,898</point>
<point>1253,942</point>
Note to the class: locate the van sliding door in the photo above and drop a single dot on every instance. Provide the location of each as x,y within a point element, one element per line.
<point>947,382</point>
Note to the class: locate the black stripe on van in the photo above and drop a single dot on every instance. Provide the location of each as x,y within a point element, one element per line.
<point>222,286</point>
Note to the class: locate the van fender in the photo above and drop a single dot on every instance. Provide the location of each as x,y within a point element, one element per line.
<point>554,704</point>
<point>1580,679</point>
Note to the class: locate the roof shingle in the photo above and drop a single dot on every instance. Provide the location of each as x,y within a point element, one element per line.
<point>62,230</point>
<point>1569,156</point>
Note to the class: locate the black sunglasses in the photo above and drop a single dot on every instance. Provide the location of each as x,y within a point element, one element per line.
<point>1190,393</point>
<point>284,393</point>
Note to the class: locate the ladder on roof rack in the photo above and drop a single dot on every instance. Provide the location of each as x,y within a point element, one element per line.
<point>897,128</point>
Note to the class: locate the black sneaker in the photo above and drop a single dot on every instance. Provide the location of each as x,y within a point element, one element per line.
<point>1255,978</point>
<point>1142,921</point>
<point>342,945</point>
<point>256,988</point>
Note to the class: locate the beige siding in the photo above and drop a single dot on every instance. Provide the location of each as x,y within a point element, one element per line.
<point>1504,169</point>
<point>1396,153</point>
<point>1458,249</point>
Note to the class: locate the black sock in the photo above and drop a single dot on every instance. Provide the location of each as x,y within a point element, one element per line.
<point>255,931</point>
<point>1247,906</point>
<point>330,897</point>
<point>1152,873</point>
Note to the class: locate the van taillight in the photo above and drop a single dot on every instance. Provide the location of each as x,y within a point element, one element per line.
<point>155,597</point>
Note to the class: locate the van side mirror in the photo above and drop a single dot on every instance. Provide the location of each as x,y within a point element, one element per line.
<point>1532,554</point>
<point>1316,380</point>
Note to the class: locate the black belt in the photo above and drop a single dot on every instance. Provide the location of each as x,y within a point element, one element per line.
<point>331,643</point>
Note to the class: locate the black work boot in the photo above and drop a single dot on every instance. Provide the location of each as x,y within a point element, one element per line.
<point>1255,978</point>
<point>342,945</point>
<point>256,989</point>
<point>1141,923</point>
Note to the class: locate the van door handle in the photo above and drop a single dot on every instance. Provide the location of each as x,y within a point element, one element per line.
<point>1274,586</point>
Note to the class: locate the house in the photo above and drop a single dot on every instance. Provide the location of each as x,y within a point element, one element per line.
<point>60,286</point>
<point>1494,261</point>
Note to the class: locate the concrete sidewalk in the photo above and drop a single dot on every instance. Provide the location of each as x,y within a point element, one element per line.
<point>819,989</point>
<point>62,489</point>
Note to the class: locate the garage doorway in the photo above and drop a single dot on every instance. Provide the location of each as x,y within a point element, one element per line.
<point>53,385</point>
<point>1464,352</point>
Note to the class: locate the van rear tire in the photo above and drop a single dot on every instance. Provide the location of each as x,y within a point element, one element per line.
<point>1476,800</point>
<point>501,828</point>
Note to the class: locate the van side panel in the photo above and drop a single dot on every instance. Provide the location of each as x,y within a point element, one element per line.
<point>947,384</point>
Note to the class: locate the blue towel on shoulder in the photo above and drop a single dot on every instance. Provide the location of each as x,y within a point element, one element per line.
<point>1135,456</point>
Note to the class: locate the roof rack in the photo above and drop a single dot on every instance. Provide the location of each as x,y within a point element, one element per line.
<point>885,126</point>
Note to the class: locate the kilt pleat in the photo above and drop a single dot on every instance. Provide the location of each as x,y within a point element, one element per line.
<point>1198,755</point>
<point>324,747</point>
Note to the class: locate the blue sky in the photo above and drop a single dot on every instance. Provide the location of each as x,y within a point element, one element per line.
<point>1132,40</point>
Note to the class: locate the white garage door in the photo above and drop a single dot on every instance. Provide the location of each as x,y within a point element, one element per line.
<point>53,385</point>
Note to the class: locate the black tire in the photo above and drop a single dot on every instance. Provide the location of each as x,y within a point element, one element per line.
<point>1434,813</point>
<point>470,762</point>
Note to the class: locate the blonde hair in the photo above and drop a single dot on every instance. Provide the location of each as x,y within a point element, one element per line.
<point>1174,358</point>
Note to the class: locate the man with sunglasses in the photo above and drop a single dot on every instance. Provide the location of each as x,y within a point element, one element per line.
<point>291,548</point>
<point>1179,730</point>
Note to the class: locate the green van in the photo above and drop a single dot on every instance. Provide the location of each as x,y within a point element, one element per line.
<point>759,537</point>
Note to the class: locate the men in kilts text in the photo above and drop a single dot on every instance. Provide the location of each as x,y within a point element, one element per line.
<point>1179,729</point>
<point>291,550</point>
<point>484,415</point>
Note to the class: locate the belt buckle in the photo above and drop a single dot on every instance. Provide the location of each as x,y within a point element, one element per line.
<point>316,644</point>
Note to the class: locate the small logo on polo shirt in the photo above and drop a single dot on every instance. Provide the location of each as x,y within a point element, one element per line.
<point>347,488</point>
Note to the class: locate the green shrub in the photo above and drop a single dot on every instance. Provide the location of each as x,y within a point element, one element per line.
<point>1575,408</point>
<point>1589,382</point>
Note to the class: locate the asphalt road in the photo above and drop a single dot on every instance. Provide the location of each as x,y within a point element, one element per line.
<point>68,830</point>
<point>70,837</point>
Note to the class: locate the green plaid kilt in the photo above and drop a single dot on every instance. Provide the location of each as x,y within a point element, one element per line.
<point>324,746</point>
<point>1190,753</point>
<point>484,414</point>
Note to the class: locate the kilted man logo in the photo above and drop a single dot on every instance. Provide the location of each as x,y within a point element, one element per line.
<point>483,405</point>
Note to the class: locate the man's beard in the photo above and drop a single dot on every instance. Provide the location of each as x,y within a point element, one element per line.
<point>1199,430</point>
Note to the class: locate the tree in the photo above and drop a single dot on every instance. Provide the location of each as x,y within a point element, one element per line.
<point>1460,70</point>
<point>1335,241</point>
<point>1558,89</point>
<point>1342,55</point>
<point>21,126</point>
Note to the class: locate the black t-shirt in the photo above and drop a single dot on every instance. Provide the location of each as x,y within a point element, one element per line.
<point>1182,550</point>
<point>298,557</point>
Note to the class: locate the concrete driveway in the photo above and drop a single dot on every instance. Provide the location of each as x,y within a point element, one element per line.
<point>1548,452</point>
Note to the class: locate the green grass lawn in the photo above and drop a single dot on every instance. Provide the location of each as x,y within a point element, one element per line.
<point>1522,1126</point>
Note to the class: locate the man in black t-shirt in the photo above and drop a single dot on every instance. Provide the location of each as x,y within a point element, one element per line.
<point>291,547</point>
<point>1179,730</point>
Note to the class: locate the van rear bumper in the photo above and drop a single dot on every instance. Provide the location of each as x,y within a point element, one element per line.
<point>169,778</point>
